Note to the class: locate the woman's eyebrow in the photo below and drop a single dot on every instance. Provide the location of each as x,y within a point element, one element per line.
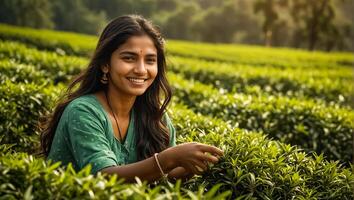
<point>151,55</point>
<point>135,54</point>
<point>128,52</point>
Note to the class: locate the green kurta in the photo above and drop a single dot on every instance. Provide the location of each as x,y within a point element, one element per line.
<point>85,136</point>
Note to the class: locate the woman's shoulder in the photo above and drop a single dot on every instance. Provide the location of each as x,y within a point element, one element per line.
<point>85,101</point>
<point>84,104</point>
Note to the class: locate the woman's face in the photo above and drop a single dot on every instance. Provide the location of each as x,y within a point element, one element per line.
<point>133,66</point>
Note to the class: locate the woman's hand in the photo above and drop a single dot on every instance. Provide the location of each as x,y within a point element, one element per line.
<point>193,157</point>
<point>180,173</point>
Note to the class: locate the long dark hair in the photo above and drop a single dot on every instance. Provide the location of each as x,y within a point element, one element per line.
<point>151,131</point>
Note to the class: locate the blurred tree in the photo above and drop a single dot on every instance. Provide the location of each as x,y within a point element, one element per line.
<point>315,24</point>
<point>247,25</point>
<point>112,8</point>
<point>32,13</point>
<point>271,16</point>
<point>178,24</point>
<point>163,5</point>
<point>343,37</point>
<point>217,24</point>
<point>73,15</point>
<point>314,21</point>
<point>205,4</point>
<point>115,8</point>
<point>145,8</point>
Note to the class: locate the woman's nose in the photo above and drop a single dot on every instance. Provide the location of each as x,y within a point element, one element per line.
<point>140,67</point>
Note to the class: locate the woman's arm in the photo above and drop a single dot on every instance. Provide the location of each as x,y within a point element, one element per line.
<point>190,156</point>
<point>146,169</point>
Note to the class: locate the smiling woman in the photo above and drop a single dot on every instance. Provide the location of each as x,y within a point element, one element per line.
<point>133,66</point>
<point>116,120</point>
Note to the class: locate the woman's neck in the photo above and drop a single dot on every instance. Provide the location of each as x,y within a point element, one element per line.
<point>121,104</point>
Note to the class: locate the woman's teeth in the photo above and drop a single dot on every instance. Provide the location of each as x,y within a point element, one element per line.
<point>136,80</point>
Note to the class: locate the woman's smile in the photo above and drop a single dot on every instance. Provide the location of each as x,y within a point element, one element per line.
<point>137,82</point>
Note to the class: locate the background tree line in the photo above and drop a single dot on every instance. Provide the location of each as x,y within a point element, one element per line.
<point>312,24</point>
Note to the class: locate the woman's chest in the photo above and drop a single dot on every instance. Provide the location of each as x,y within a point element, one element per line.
<point>119,127</point>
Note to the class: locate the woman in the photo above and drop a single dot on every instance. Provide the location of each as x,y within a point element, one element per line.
<point>116,119</point>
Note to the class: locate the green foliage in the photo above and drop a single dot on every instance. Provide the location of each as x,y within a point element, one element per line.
<point>234,21</point>
<point>252,167</point>
<point>255,167</point>
<point>58,68</point>
<point>331,85</point>
<point>315,22</point>
<point>79,44</point>
<point>310,125</point>
<point>182,16</point>
<point>26,177</point>
<point>217,18</point>
<point>260,56</point>
<point>271,17</point>
<point>115,8</point>
<point>21,106</point>
<point>63,43</point>
<point>73,15</point>
<point>297,129</point>
<point>20,73</point>
<point>31,13</point>
<point>65,15</point>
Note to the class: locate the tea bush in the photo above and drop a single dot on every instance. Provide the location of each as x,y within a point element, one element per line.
<point>328,89</point>
<point>60,68</point>
<point>331,85</point>
<point>256,167</point>
<point>81,45</point>
<point>59,41</point>
<point>283,58</point>
<point>26,177</point>
<point>21,106</point>
<point>307,126</point>
<point>310,125</point>
<point>20,73</point>
<point>253,167</point>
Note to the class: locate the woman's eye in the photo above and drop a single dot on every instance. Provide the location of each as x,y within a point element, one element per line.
<point>128,58</point>
<point>151,61</point>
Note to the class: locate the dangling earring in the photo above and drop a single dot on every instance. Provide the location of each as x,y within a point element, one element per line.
<point>104,79</point>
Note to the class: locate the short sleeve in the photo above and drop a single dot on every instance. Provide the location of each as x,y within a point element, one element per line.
<point>88,141</point>
<point>171,129</point>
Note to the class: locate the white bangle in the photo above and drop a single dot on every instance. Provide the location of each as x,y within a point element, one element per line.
<point>164,176</point>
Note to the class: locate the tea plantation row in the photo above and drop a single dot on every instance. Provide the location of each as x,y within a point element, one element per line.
<point>312,126</point>
<point>308,124</point>
<point>83,45</point>
<point>253,166</point>
<point>331,85</point>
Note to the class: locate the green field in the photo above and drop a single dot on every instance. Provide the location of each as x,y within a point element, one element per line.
<point>283,117</point>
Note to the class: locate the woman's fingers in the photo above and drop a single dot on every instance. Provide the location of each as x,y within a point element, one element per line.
<point>211,149</point>
<point>197,166</point>
<point>200,165</point>
<point>195,156</point>
<point>208,157</point>
<point>192,168</point>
